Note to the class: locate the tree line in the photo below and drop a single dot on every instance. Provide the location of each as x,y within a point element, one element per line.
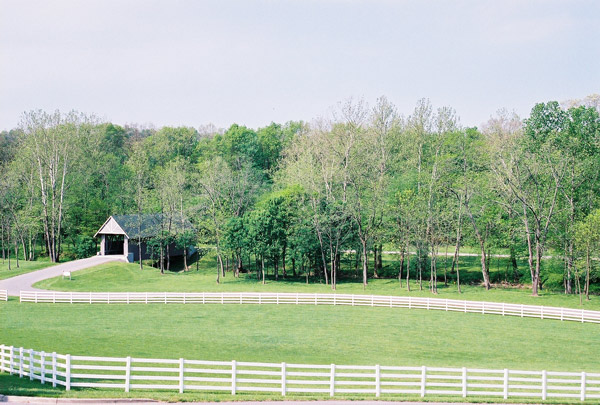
<point>297,198</point>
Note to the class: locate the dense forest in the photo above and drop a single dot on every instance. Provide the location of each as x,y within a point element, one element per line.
<point>295,198</point>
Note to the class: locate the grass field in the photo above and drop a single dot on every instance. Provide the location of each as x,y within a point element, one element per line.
<point>117,276</point>
<point>303,334</point>
<point>24,267</point>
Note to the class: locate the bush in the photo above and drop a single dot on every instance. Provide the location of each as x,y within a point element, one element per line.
<point>85,247</point>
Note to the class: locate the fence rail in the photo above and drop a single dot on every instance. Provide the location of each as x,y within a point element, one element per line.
<point>3,295</point>
<point>498,308</point>
<point>128,373</point>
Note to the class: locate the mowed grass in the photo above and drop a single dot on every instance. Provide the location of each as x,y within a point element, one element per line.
<point>24,267</point>
<point>298,334</point>
<point>119,277</point>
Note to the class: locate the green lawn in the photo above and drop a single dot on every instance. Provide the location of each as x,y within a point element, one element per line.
<point>24,267</point>
<point>117,276</point>
<point>302,334</point>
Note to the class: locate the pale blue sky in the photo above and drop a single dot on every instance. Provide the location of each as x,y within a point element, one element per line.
<point>252,62</point>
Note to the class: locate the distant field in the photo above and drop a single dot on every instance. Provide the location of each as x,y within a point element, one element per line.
<point>303,334</point>
<point>24,267</point>
<point>117,276</point>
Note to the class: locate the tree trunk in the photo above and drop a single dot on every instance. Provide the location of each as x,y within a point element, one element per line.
<point>458,274</point>
<point>283,262</point>
<point>402,253</point>
<point>2,242</point>
<point>323,257</point>
<point>365,262</point>
<point>570,255</point>
<point>535,280</point>
<point>168,257</point>
<point>408,271</point>
<point>479,237</point>
<point>219,266</point>
<point>185,266</point>
<point>140,253</point>
<point>445,266</point>
<point>587,274</point>
<point>17,252</point>
<point>484,268</point>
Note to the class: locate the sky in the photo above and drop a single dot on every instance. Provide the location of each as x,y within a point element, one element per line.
<point>253,62</point>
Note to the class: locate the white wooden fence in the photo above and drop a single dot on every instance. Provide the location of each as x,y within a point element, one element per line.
<point>498,308</point>
<point>182,375</point>
<point>3,295</point>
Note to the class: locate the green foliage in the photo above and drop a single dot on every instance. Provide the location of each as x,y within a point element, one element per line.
<point>85,247</point>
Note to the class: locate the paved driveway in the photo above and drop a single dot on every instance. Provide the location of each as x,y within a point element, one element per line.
<point>25,281</point>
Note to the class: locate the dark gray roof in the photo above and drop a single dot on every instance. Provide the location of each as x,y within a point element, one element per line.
<point>149,225</point>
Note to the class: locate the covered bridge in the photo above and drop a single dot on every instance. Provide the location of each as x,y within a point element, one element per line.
<point>120,234</point>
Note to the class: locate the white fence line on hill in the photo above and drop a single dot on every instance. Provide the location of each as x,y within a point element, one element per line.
<point>3,295</point>
<point>482,307</point>
<point>128,373</point>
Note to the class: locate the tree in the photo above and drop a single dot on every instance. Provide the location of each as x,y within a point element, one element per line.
<point>587,235</point>
<point>139,181</point>
<point>52,142</point>
<point>224,192</point>
<point>529,170</point>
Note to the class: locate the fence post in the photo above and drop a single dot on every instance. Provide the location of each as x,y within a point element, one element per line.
<point>332,381</point>
<point>68,372</point>
<point>233,377</point>
<point>464,382</point>
<point>377,380</point>
<point>181,372</point>
<point>505,383</point>
<point>2,355</point>
<point>21,362</point>
<point>30,364</point>
<point>127,373</point>
<point>583,385</point>
<point>283,377</point>
<point>54,369</point>
<point>43,367</point>
<point>544,385</point>
<point>11,360</point>
<point>423,378</point>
